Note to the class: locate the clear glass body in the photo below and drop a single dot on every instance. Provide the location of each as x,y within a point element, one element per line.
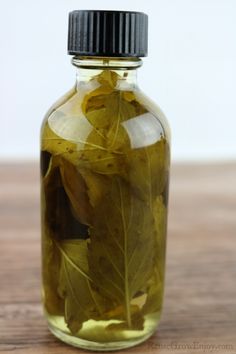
<point>104,191</point>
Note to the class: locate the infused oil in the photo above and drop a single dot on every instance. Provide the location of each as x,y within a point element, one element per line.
<point>104,192</point>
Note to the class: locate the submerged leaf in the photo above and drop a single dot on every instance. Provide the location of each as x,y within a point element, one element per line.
<point>96,100</point>
<point>148,170</point>
<point>97,186</point>
<point>160,217</point>
<point>57,146</point>
<point>50,271</point>
<point>116,252</point>
<point>67,208</point>
<point>137,321</point>
<point>155,284</point>
<point>82,302</point>
<point>76,190</point>
<point>108,78</point>
<point>155,295</point>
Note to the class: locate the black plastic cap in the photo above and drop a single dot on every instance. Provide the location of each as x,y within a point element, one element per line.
<point>108,33</point>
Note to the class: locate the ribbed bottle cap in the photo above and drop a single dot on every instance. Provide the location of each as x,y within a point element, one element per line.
<point>108,33</point>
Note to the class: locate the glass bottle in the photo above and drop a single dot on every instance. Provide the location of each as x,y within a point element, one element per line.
<point>104,192</point>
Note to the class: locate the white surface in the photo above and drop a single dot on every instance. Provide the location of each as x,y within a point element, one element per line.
<point>190,71</point>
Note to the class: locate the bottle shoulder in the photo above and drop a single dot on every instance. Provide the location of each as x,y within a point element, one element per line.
<point>57,104</point>
<point>154,109</point>
<point>117,118</point>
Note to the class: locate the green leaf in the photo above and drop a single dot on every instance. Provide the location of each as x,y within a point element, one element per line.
<point>67,207</point>
<point>82,301</point>
<point>108,78</point>
<point>58,146</point>
<point>154,295</point>
<point>50,256</point>
<point>120,110</point>
<point>123,228</point>
<point>94,105</point>
<point>154,299</point>
<point>50,272</point>
<point>160,217</point>
<point>99,159</point>
<point>90,153</point>
<point>76,190</point>
<point>97,186</point>
<point>148,170</point>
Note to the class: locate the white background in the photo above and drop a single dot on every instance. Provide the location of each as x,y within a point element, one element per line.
<point>190,71</point>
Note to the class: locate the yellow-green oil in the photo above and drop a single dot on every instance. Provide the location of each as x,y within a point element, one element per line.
<point>104,191</point>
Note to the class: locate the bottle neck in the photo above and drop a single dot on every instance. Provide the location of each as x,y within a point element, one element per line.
<point>88,68</point>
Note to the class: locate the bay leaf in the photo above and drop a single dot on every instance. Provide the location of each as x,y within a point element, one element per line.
<point>50,256</point>
<point>97,185</point>
<point>67,207</point>
<point>76,287</point>
<point>121,252</point>
<point>95,100</point>
<point>156,282</point>
<point>136,318</point>
<point>148,170</point>
<point>108,78</point>
<point>76,189</point>
<point>154,299</point>
<point>160,217</point>
<point>119,110</point>
<point>57,146</point>
<point>91,153</point>
<point>50,274</point>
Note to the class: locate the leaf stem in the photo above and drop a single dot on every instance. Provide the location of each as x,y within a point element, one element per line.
<point>127,295</point>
